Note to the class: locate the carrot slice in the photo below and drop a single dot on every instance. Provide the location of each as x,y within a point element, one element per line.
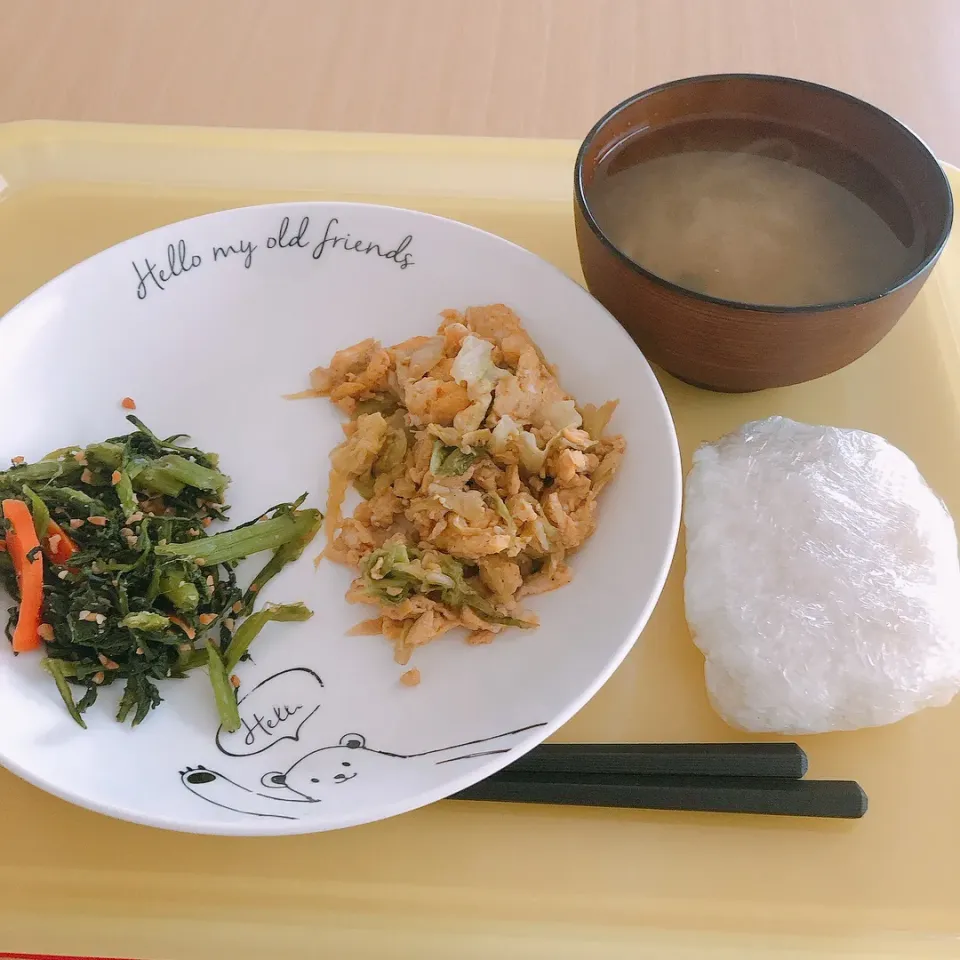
<point>24,549</point>
<point>59,551</point>
<point>184,626</point>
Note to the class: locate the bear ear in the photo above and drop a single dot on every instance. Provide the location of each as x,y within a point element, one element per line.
<point>353,740</point>
<point>274,780</point>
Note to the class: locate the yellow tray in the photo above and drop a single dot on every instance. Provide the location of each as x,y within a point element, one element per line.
<point>480,880</point>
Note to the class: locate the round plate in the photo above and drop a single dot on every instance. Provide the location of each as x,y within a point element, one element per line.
<point>207,324</point>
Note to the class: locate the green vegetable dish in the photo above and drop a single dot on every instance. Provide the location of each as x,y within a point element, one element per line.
<point>135,590</point>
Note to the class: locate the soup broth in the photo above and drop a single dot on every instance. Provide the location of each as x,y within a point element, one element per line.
<point>751,225</point>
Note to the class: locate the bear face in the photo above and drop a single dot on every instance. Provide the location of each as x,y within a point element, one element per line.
<point>330,766</point>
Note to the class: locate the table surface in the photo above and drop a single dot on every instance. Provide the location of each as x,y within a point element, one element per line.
<point>519,68</point>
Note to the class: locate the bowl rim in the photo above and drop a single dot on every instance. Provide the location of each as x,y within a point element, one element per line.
<point>782,309</point>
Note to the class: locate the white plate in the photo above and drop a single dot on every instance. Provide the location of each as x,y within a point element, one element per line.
<point>207,339</point>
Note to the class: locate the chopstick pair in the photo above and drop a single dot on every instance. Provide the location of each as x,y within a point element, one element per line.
<point>760,778</point>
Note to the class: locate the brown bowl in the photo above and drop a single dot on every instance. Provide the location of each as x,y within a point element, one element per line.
<point>738,347</point>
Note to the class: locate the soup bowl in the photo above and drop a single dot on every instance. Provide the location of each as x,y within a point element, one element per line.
<point>735,346</point>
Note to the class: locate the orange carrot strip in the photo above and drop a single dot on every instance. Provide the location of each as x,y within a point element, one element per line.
<point>24,549</point>
<point>65,547</point>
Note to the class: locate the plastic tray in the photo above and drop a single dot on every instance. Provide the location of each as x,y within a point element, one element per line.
<point>479,880</point>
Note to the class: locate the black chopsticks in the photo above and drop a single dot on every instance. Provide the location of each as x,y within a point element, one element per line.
<point>760,778</point>
<point>785,760</point>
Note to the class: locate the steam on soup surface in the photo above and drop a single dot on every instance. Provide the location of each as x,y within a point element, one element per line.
<point>745,226</point>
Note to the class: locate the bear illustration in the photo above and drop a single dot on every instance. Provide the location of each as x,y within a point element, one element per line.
<point>309,779</point>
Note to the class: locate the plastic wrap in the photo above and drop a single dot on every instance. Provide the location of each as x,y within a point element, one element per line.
<point>822,584</point>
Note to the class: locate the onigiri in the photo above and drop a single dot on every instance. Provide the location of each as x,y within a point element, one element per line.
<point>822,583</point>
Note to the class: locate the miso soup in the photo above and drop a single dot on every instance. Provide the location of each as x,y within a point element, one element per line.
<point>752,225</point>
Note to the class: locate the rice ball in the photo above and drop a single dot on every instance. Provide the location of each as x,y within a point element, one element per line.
<point>822,584</point>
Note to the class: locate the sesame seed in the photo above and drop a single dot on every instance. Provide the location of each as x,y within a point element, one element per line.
<point>63,574</point>
<point>100,618</point>
<point>45,632</point>
<point>234,681</point>
<point>128,403</point>
<point>81,458</point>
<point>115,477</point>
<point>99,677</point>
<point>84,615</point>
<point>210,581</point>
<point>76,524</point>
<point>16,461</point>
<point>86,477</point>
<point>207,618</point>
